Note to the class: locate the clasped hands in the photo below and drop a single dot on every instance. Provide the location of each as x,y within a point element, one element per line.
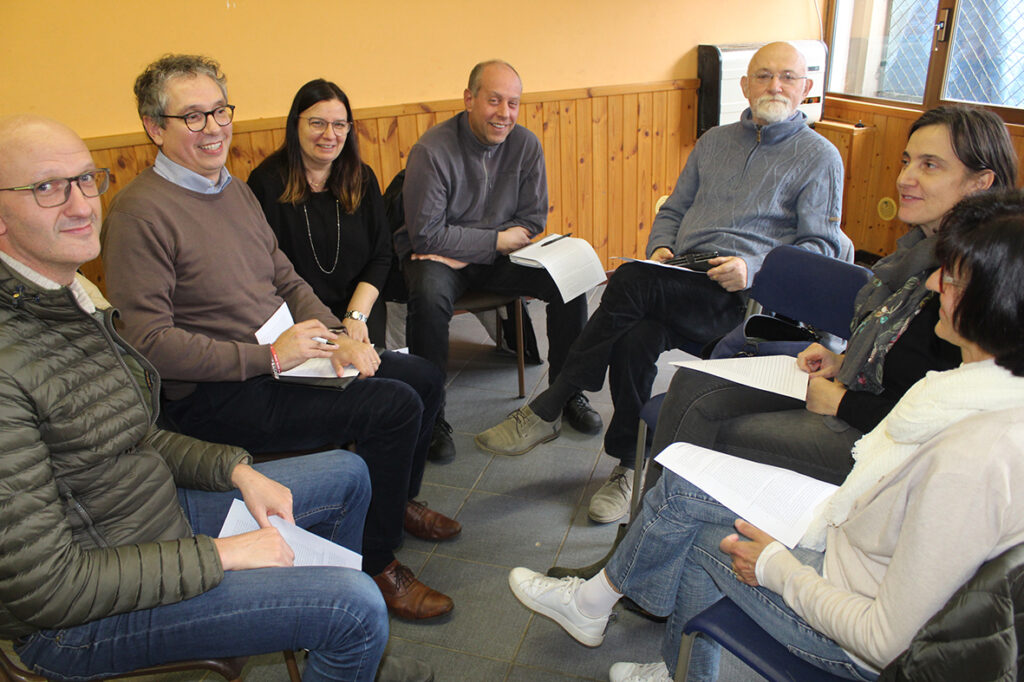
<point>730,272</point>
<point>305,340</point>
<point>508,240</point>
<point>821,365</point>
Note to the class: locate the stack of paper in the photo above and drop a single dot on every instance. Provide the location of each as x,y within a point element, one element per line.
<point>572,263</point>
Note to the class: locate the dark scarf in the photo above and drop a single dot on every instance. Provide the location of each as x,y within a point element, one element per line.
<point>884,308</point>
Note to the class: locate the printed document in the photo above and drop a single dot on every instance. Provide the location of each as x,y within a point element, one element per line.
<point>780,502</point>
<point>309,549</point>
<point>660,265</point>
<point>315,368</point>
<point>572,263</point>
<point>775,373</point>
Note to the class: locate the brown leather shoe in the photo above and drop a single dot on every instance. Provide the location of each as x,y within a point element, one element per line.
<point>427,524</point>
<point>407,597</point>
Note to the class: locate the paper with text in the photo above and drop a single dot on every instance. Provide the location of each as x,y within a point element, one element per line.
<point>778,501</point>
<point>309,549</point>
<point>572,263</point>
<point>317,368</point>
<point>660,265</point>
<point>775,373</point>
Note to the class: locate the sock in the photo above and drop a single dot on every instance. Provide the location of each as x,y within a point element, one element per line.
<point>548,405</point>
<point>596,597</point>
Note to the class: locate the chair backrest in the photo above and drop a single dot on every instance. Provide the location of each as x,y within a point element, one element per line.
<point>810,288</point>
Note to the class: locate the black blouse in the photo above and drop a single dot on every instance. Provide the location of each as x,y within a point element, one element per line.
<point>364,254</point>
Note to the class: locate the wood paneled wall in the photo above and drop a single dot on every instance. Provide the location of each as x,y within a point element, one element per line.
<point>875,166</point>
<point>610,153</point>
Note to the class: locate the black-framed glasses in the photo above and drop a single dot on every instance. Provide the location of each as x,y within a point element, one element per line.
<point>786,77</point>
<point>196,120</point>
<point>319,125</point>
<point>55,191</point>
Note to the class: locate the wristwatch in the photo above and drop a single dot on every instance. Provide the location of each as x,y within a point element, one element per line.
<point>355,315</point>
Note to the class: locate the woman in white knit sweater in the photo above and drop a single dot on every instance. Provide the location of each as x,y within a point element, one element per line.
<point>925,505</point>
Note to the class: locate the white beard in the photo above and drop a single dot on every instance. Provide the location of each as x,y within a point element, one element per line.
<point>772,109</point>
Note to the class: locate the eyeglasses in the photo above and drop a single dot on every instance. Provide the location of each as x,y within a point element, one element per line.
<point>319,125</point>
<point>55,191</point>
<point>786,77</point>
<point>947,279</point>
<point>196,120</point>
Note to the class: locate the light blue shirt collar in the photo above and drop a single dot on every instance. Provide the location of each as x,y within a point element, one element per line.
<point>189,179</point>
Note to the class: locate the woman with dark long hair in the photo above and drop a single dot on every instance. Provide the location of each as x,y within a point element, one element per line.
<point>324,204</point>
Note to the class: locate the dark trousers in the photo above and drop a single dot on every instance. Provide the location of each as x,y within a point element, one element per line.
<point>645,310</point>
<point>379,414</point>
<point>756,425</point>
<point>434,287</point>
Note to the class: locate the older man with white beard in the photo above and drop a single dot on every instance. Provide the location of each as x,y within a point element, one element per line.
<point>746,188</point>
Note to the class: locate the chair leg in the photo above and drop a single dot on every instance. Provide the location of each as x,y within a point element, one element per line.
<point>638,469</point>
<point>683,666</point>
<point>293,666</point>
<point>520,350</point>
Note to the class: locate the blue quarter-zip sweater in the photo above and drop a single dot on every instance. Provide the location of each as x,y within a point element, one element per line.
<point>747,188</point>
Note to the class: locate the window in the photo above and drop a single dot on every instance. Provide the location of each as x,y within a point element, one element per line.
<point>925,52</point>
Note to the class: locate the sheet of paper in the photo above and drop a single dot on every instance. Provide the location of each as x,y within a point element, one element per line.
<point>310,549</point>
<point>572,263</point>
<point>659,265</point>
<point>317,368</point>
<point>775,373</point>
<point>778,501</point>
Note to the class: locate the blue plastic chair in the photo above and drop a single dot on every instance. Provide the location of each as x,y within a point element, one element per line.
<point>648,422</point>
<point>810,288</point>
<point>727,624</point>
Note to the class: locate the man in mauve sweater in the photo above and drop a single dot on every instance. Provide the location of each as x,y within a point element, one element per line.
<point>195,270</point>
<point>746,188</point>
<point>476,190</point>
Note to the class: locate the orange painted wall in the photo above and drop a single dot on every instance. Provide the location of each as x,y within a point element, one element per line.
<point>76,61</point>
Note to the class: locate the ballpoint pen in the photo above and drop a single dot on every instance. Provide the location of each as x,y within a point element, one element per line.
<point>558,238</point>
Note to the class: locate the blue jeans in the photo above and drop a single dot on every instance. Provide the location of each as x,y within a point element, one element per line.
<point>336,613</point>
<point>670,564</point>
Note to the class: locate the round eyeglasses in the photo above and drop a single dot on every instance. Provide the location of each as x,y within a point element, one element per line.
<point>319,125</point>
<point>196,120</point>
<point>55,191</point>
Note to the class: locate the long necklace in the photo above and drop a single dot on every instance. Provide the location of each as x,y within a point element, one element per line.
<point>337,247</point>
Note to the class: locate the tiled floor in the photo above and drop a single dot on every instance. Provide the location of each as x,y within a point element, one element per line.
<point>528,510</point>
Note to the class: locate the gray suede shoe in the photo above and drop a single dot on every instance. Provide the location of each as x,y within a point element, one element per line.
<point>520,432</point>
<point>611,501</point>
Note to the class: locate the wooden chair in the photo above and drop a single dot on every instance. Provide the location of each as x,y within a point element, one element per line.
<point>228,668</point>
<point>482,301</point>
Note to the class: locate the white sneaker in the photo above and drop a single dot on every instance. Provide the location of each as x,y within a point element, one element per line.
<point>639,672</point>
<point>556,599</point>
<point>611,501</point>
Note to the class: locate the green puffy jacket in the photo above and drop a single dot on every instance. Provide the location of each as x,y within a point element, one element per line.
<point>91,521</point>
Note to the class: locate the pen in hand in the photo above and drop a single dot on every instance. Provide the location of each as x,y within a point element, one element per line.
<point>320,339</point>
<point>558,238</point>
